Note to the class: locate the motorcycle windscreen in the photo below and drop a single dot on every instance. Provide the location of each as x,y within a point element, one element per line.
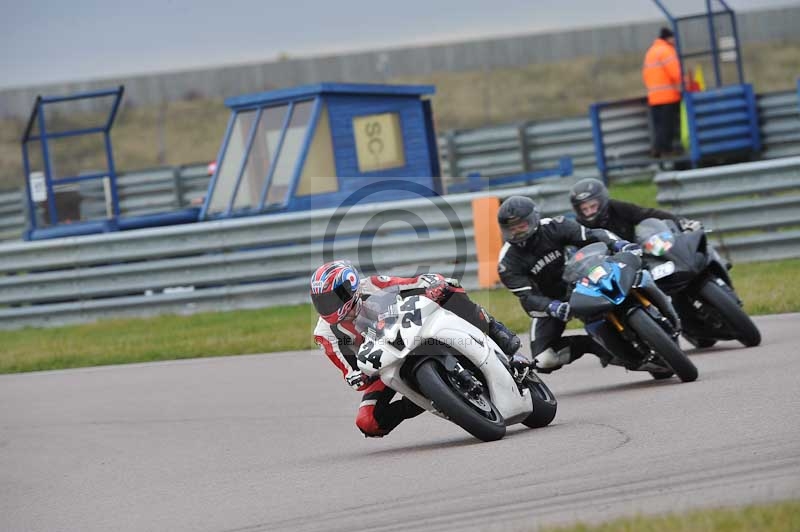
<point>378,313</point>
<point>585,262</point>
<point>655,237</point>
<point>628,265</point>
<point>586,307</point>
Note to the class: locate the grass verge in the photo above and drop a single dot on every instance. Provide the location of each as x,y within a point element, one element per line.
<point>766,288</point>
<point>775,517</point>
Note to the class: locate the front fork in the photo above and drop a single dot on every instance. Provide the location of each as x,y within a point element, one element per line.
<point>654,310</point>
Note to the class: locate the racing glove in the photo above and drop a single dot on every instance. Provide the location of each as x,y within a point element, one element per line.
<point>559,310</point>
<point>628,247</point>
<point>690,225</point>
<point>520,366</point>
<point>437,290</point>
<point>357,380</point>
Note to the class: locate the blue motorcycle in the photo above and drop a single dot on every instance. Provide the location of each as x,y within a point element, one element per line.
<point>625,312</point>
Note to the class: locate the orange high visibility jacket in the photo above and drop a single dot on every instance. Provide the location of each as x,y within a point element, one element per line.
<point>661,73</point>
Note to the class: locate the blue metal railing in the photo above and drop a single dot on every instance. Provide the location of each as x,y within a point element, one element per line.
<point>474,182</point>
<point>714,51</point>
<point>38,119</point>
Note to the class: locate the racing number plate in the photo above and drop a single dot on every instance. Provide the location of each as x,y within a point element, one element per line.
<point>663,270</point>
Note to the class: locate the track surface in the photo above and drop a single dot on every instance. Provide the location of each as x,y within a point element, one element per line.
<point>267,443</point>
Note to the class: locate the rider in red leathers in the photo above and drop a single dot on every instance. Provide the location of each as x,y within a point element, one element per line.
<point>337,292</point>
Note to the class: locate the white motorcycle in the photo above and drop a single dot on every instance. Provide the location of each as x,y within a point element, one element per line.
<point>447,366</point>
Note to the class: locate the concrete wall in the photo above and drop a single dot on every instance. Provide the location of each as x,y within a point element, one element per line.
<point>377,66</point>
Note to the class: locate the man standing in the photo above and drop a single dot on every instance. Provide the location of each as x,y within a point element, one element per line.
<point>661,73</point>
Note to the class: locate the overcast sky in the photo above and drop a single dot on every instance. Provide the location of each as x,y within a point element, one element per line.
<point>44,41</point>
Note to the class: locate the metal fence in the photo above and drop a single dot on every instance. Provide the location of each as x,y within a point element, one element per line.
<point>241,263</point>
<point>752,209</point>
<point>626,133</point>
<point>521,148</point>
<point>142,192</point>
<point>779,120</point>
<point>12,214</point>
<point>148,191</point>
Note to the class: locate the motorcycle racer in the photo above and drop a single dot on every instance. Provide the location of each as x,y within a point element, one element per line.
<point>338,291</point>
<point>531,265</point>
<point>594,209</point>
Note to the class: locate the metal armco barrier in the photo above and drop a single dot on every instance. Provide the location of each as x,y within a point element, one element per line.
<point>752,209</point>
<point>142,192</point>
<point>518,149</point>
<point>240,263</point>
<point>514,149</point>
<point>148,191</point>
<point>12,214</point>
<point>779,121</point>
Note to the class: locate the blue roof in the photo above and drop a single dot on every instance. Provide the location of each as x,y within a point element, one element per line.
<point>309,91</point>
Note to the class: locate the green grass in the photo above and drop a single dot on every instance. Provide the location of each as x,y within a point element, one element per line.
<point>766,288</point>
<point>158,338</point>
<point>776,517</point>
<point>641,193</point>
<point>192,130</point>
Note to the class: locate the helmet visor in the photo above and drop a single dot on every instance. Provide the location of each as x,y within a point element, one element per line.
<point>330,302</point>
<point>589,209</point>
<point>518,231</point>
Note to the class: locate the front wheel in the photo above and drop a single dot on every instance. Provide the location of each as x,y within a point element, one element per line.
<point>659,341</point>
<point>544,403</point>
<point>732,314</point>
<point>476,415</point>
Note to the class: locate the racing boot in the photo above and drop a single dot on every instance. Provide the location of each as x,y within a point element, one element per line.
<point>517,363</point>
<point>550,360</point>
<point>503,337</point>
<point>567,350</point>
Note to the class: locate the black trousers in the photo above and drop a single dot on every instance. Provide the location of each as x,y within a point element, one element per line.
<point>462,306</point>
<point>547,332</point>
<point>666,124</point>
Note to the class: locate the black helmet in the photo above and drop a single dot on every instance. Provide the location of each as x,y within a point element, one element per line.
<point>518,218</point>
<point>586,190</point>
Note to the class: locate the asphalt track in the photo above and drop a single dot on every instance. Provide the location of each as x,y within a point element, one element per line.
<point>267,443</point>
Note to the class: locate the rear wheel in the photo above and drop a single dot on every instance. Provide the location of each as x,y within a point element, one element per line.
<point>544,403</point>
<point>700,343</point>
<point>659,341</point>
<point>475,414</point>
<point>731,313</point>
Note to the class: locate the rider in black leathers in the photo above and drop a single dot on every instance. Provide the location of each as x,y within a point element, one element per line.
<point>531,265</point>
<point>593,208</point>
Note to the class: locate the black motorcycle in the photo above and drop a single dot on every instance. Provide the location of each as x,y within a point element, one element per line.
<point>624,311</point>
<point>688,269</point>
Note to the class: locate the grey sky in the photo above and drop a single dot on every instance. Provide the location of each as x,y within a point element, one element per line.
<point>44,41</point>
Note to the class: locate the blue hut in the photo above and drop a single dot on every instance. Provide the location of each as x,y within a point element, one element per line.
<point>316,146</point>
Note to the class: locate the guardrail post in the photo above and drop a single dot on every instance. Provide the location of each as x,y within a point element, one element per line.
<point>177,180</point>
<point>524,146</point>
<point>599,147</point>
<point>452,153</point>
